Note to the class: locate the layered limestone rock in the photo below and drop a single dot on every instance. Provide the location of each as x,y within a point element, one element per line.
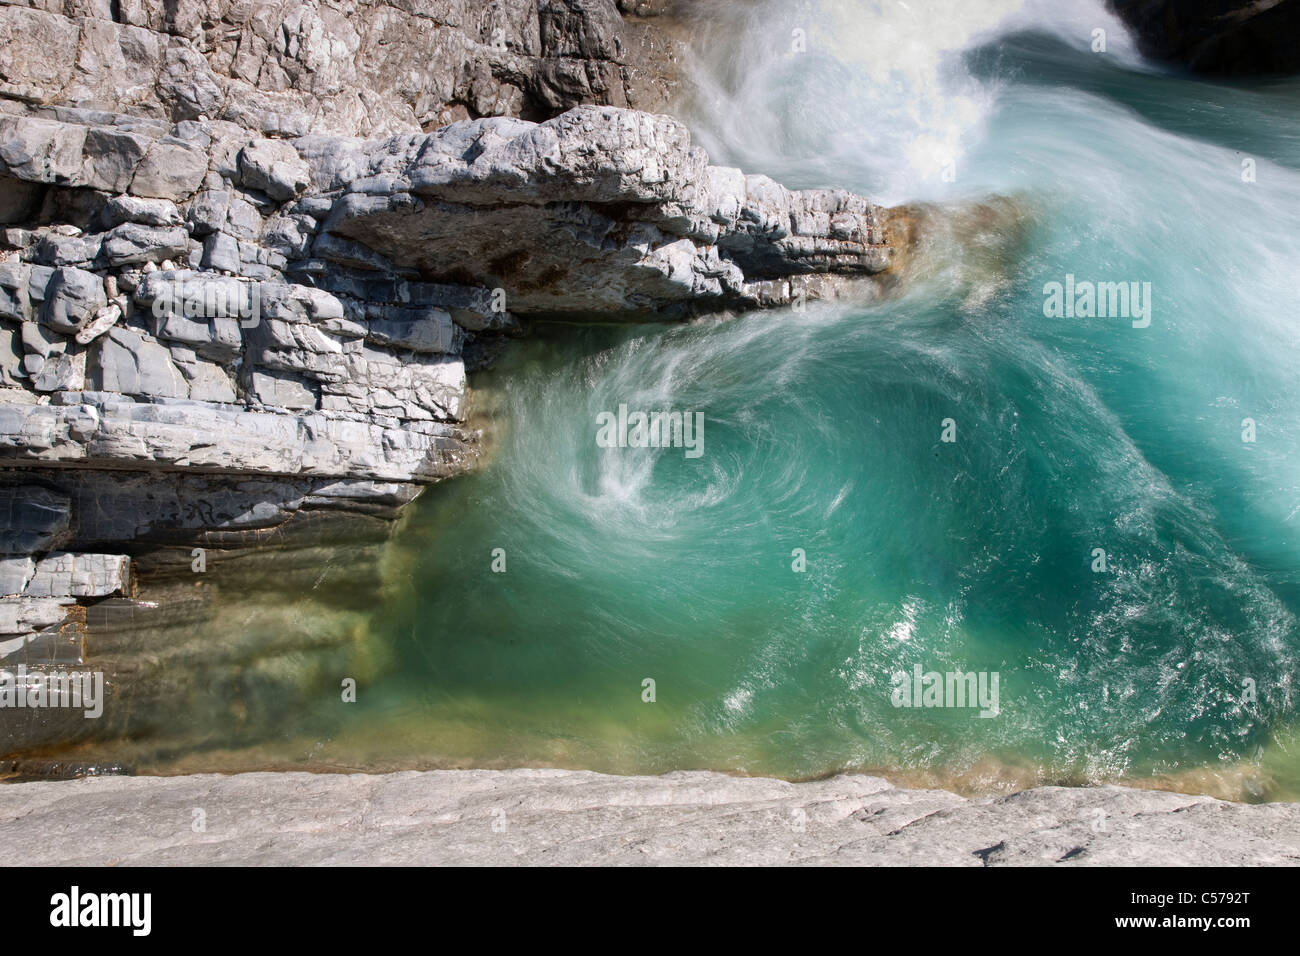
<point>557,817</point>
<point>328,286</point>
<point>249,253</point>
<point>41,584</point>
<point>599,212</point>
<point>366,67</point>
<point>201,299</point>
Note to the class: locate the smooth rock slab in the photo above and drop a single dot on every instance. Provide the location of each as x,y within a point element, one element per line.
<point>127,363</point>
<point>557,817</point>
<point>72,298</point>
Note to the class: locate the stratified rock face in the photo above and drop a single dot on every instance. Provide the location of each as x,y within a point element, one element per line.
<point>201,277</point>
<point>366,67</point>
<point>183,359</point>
<point>1229,37</point>
<point>600,211</point>
<point>565,818</point>
<point>326,286</point>
<point>40,582</point>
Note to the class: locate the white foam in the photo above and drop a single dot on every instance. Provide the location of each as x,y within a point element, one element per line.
<point>878,98</point>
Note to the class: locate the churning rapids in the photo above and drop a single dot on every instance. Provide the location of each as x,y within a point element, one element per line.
<point>1102,512</point>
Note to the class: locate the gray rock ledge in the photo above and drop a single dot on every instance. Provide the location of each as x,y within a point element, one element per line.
<point>194,299</point>
<point>560,817</point>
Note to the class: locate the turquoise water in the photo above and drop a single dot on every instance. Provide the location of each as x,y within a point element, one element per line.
<point>823,432</point>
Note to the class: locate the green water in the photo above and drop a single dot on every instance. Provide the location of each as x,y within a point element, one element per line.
<point>823,433</point>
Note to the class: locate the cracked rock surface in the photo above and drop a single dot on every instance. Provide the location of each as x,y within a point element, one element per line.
<point>359,67</point>
<point>558,817</point>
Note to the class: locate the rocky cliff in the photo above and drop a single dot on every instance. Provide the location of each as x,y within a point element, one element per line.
<point>250,252</point>
<point>1224,37</point>
<point>356,68</point>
